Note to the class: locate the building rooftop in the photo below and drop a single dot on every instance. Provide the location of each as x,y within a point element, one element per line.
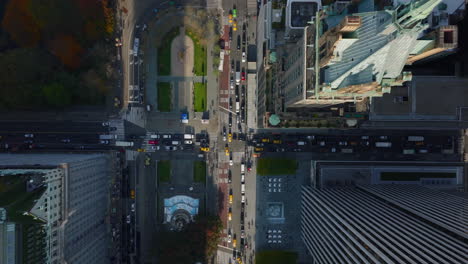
<point>301,12</point>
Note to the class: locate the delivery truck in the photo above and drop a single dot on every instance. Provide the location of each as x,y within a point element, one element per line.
<point>107,136</point>
<point>124,143</point>
<point>383,144</point>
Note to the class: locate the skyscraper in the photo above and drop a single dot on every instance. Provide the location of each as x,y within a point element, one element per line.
<point>384,224</point>
<point>69,198</point>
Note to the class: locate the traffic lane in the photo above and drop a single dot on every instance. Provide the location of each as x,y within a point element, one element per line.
<point>236,205</point>
<point>50,127</point>
<point>146,207</point>
<point>66,139</point>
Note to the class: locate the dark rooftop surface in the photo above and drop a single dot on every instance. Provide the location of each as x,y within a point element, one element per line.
<point>301,13</point>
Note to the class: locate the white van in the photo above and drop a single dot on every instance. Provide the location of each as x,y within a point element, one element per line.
<point>243,198</point>
<point>155,136</point>
<point>243,188</point>
<point>300,143</point>
<point>175,142</point>
<point>242,178</point>
<point>242,168</point>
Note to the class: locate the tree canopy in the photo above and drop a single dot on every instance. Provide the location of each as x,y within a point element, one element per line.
<point>197,242</point>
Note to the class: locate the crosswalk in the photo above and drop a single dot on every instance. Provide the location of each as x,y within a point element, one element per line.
<point>120,128</point>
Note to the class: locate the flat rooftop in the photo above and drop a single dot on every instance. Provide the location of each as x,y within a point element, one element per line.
<point>302,12</point>
<point>428,98</point>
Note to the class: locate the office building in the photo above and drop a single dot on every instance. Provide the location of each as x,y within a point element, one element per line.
<point>351,54</point>
<point>70,202</point>
<point>397,223</point>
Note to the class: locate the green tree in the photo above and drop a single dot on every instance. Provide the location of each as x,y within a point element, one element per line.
<point>24,71</point>
<point>57,95</point>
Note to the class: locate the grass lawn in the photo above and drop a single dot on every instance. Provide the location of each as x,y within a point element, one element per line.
<point>164,97</point>
<point>199,171</point>
<point>164,52</point>
<point>199,54</point>
<point>164,170</point>
<point>199,100</point>
<point>415,176</point>
<point>275,166</point>
<point>276,257</point>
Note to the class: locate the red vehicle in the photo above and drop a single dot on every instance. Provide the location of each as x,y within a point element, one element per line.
<point>153,142</point>
<point>243,75</point>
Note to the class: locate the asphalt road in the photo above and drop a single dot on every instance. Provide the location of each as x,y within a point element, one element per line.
<point>50,135</point>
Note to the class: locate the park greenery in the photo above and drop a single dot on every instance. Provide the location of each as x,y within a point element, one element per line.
<point>276,257</point>
<point>164,171</point>
<point>164,52</point>
<point>276,166</point>
<point>198,242</point>
<point>55,53</point>
<point>199,53</point>
<point>164,96</point>
<point>199,100</point>
<point>199,171</point>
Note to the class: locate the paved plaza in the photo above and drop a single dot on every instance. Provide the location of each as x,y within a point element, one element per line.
<point>278,218</point>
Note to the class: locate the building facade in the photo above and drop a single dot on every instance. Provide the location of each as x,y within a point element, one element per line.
<point>353,225</point>
<point>73,205</point>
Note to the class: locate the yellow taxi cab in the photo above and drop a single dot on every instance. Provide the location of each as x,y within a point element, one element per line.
<point>234,242</point>
<point>234,26</point>
<point>230,18</point>
<point>258,149</point>
<point>205,149</point>
<point>265,140</point>
<point>229,137</point>
<point>132,194</point>
<point>226,149</point>
<point>277,141</point>
<point>141,150</point>
<point>230,198</point>
<point>230,214</point>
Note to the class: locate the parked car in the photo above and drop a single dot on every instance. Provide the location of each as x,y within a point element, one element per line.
<point>153,142</point>
<point>29,135</point>
<point>104,141</point>
<point>105,123</point>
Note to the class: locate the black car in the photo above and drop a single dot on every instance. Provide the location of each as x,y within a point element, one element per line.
<point>238,42</point>
<point>243,38</point>
<point>229,176</point>
<point>230,103</point>
<point>243,91</point>
<point>230,119</point>
<point>230,33</point>
<point>244,28</point>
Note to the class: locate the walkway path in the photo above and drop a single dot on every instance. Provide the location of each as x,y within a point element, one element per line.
<point>181,78</point>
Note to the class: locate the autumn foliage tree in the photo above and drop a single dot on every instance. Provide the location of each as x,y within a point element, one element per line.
<point>197,242</point>
<point>67,29</point>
